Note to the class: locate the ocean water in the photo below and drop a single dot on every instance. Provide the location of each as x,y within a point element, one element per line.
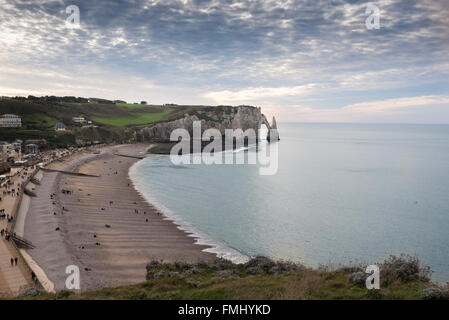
<point>343,193</point>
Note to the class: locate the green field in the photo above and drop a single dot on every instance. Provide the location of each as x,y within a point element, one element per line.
<point>115,122</point>
<point>136,106</point>
<point>138,119</point>
<point>38,119</point>
<point>46,114</point>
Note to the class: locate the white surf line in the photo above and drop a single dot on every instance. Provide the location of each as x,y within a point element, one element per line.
<point>216,247</point>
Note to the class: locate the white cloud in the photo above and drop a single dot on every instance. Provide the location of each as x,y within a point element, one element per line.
<point>255,94</point>
<point>82,80</point>
<point>394,105</point>
<point>313,53</point>
<point>366,111</point>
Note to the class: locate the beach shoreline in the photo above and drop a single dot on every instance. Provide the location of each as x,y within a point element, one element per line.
<point>104,225</point>
<point>214,246</point>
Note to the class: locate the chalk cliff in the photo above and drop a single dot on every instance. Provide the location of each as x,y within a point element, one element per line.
<point>221,118</point>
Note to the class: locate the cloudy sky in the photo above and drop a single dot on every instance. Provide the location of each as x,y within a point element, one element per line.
<point>301,60</point>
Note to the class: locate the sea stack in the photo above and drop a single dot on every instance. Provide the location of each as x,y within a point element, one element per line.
<point>273,134</point>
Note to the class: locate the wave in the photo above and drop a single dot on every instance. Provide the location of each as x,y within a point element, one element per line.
<point>216,247</point>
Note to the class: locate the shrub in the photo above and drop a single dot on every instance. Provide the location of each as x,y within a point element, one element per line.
<point>139,296</point>
<point>403,269</point>
<point>63,294</point>
<point>433,294</point>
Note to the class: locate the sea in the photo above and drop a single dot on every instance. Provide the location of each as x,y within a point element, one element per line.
<point>342,194</point>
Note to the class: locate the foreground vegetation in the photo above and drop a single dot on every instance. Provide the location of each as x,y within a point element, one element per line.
<point>401,278</point>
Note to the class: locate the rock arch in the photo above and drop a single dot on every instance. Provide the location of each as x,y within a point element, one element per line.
<point>273,134</point>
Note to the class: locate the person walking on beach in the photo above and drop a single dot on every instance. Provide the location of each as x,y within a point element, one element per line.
<point>15,260</point>
<point>12,262</point>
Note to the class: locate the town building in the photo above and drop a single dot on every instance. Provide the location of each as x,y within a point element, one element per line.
<point>10,121</point>
<point>31,148</point>
<point>4,168</point>
<point>4,148</point>
<point>17,144</point>
<point>10,152</point>
<point>79,119</point>
<point>60,126</point>
<point>42,145</point>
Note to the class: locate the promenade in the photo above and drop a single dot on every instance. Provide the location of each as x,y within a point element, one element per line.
<point>12,278</point>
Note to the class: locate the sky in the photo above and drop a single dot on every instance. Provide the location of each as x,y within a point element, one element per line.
<point>302,61</point>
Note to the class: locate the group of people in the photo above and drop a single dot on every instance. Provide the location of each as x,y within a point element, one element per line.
<point>13,192</point>
<point>14,261</point>
<point>6,234</point>
<point>10,191</point>
<point>4,216</point>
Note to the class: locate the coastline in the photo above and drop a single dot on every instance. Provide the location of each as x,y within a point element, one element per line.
<point>215,247</point>
<point>105,226</point>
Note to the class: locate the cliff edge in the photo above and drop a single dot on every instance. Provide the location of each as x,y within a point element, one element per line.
<point>220,117</point>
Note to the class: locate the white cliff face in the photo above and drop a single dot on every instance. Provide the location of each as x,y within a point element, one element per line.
<point>273,134</point>
<point>273,124</point>
<point>221,118</point>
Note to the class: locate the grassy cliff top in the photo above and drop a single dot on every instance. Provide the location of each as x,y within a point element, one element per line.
<point>114,122</point>
<point>402,278</point>
<point>45,114</point>
<point>117,115</point>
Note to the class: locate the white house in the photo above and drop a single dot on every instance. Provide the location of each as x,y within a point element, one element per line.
<point>60,126</point>
<point>10,121</point>
<point>79,119</point>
